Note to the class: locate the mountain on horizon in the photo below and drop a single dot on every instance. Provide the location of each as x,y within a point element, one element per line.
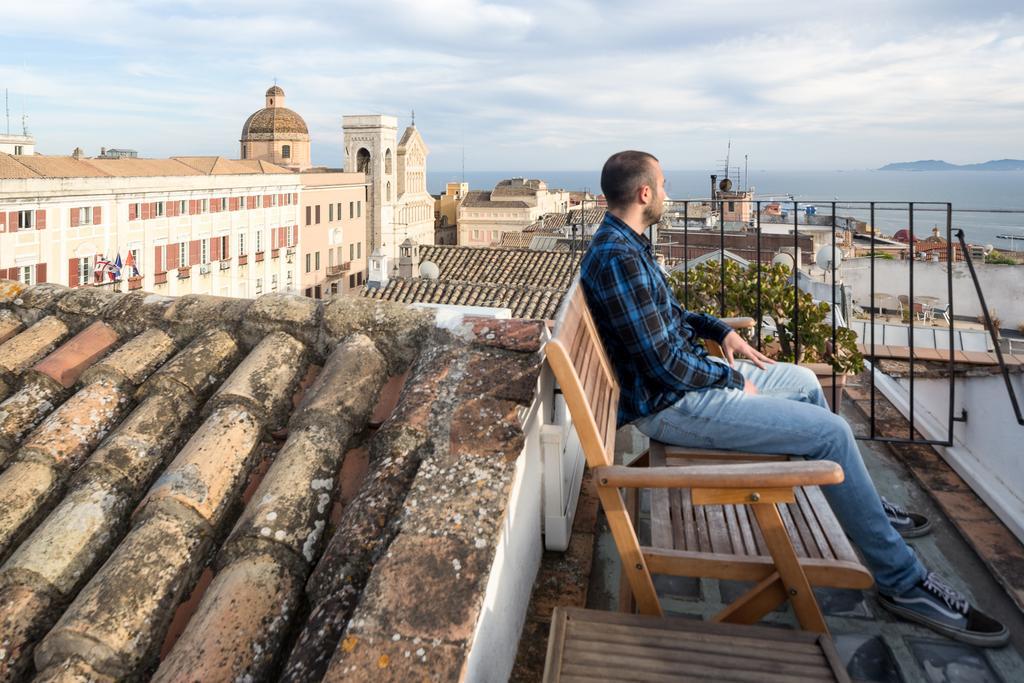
<point>938,165</point>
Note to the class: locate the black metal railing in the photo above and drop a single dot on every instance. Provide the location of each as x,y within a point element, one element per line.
<point>711,233</point>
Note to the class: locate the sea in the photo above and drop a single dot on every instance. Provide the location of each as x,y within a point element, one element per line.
<point>986,204</point>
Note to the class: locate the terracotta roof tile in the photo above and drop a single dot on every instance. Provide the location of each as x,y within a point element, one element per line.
<point>122,481</point>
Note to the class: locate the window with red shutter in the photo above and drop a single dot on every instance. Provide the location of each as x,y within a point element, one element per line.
<point>3,222</point>
<point>131,212</point>
<point>172,257</point>
<point>73,272</point>
<point>97,215</point>
<point>158,260</point>
<point>145,211</point>
<point>41,219</point>
<point>214,249</point>
<point>75,215</point>
<point>193,251</point>
<point>40,273</point>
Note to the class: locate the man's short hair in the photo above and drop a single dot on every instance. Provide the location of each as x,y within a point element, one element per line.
<point>623,174</point>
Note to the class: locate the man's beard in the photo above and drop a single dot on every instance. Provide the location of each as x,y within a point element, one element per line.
<point>653,214</point>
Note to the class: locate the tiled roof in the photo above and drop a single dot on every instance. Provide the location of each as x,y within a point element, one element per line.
<point>530,283</point>
<point>516,240</point>
<point>550,221</point>
<point>496,266</point>
<point>212,489</point>
<point>524,302</point>
<point>39,166</point>
<point>482,199</point>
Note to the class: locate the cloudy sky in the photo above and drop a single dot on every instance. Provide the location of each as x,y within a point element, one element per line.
<point>546,85</point>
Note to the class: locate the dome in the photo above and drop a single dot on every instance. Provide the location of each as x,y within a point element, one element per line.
<point>275,90</point>
<point>274,122</point>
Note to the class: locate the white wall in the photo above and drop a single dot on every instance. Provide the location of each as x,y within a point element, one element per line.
<point>1003,286</point>
<point>986,449</point>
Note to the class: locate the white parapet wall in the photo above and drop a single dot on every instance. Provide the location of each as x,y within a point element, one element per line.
<point>986,449</point>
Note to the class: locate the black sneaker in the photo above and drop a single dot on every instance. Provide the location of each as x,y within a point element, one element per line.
<point>935,604</point>
<point>908,524</point>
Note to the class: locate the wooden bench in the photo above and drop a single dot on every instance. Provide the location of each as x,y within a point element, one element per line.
<point>588,645</point>
<point>714,514</point>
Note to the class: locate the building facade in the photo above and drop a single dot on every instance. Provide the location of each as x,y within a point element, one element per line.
<point>17,144</point>
<point>446,213</point>
<point>511,206</point>
<point>332,232</point>
<point>188,224</point>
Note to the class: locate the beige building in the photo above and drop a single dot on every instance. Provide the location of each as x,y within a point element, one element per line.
<point>399,206</point>
<point>511,206</point>
<point>446,213</point>
<point>332,232</point>
<point>190,224</point>
<point>276,134</point>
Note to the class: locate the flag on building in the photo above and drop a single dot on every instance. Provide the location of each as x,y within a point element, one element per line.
<point>129,264</point>
<point>115,269</point>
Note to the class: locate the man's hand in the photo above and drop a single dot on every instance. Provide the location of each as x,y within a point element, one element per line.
<point>749,388</point>
<point>734,344</point>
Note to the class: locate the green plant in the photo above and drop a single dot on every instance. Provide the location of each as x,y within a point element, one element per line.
<point>997,257</point>
<point>777,303</point>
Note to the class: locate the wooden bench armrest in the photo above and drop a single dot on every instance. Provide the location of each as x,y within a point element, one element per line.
<point>732,475</point>
<point>743,323</point>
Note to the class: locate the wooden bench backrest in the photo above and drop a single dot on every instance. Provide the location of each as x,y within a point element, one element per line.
<point>586,378</point>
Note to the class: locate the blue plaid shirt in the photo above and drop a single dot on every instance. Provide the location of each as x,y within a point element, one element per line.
<point>650,339</point>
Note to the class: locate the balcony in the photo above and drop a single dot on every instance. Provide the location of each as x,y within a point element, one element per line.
<point>160,278</point>
<point>225,265</point>
<point>135,283</point>
<point>259,256</point>
<point>335,271</point>
<point>243,260</point>
<point>184,273</point>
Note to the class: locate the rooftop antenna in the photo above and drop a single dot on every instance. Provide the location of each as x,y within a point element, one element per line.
<point>728,152</point>
<point>7,106</point>
<point>24,124</point>
<point>746,172</point>
<point>413,118</point>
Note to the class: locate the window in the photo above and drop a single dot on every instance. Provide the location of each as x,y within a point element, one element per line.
<point>84,271</point>
<point>259,201</point>
<point>359,250</point>
<point>351,281</point>
<point>286,151</point>
<point>224,246</point>
<point>290,233</point>
<point>159,209</point>
<point>309,215</point>
<point>351,209</point>
<point>204,251</point>
<point>316,260</point>
<point>359,209</point>
<point>182,208</point>
<point>273,200</point>
<point>25,220</point>
<point>330,212</point>
<point>18,149</point>
<point>27,275</point>
<point>359,278</point>
<point>339,211</point>
<point>330,257</point>
<point>387,192</point>
<point>204,206</point>
<point>259,239</point>
<point>136,261</point>
<point>183,255</point>
<point>273,282</point>
<point>732,206</point>
<point>351,251</point>
<point>223,203</point>
<point>243,151</point>
<point>309,259</point>
<point>318,214</point>
<point>259,285</point>
<point>136,210</point>
<point>241,244</point>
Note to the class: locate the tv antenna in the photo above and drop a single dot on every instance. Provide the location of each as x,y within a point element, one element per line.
<point>7,106</point>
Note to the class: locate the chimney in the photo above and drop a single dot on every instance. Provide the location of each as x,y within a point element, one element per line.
<point>409,260</point>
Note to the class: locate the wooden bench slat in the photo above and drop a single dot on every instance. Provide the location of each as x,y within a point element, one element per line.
<point>807,652</point>
<point>681,655</point>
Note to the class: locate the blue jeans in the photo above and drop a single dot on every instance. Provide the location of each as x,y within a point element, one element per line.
<point>790,416</point>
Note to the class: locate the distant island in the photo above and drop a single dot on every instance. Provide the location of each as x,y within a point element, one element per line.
<point>936,165</point>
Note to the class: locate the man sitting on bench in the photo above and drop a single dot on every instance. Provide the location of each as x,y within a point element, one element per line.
<point>672,391</point>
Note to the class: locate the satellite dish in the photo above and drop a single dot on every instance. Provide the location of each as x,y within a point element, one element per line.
<point>823,258</point>
<point>783,259</point>
<point>429,270</point>
<point>725,185</point>
<point>988,249</point>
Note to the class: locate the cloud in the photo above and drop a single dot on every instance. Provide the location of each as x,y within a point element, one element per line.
<point>541,85</point>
